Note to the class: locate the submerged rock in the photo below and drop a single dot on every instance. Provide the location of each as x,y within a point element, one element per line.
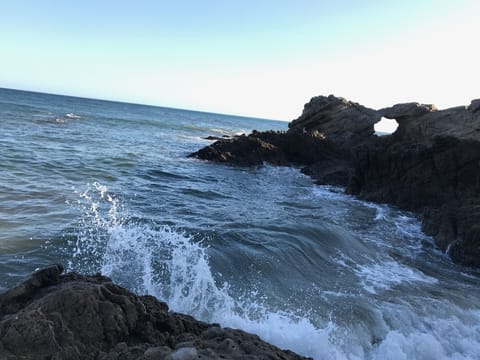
<point>71,316</point>
<point>430,164</point>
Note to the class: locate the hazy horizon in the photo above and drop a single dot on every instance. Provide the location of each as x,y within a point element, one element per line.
<point>137,103</point>
<point>255,59</point>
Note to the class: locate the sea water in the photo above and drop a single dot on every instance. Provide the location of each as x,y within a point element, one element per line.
<point>107,187</point>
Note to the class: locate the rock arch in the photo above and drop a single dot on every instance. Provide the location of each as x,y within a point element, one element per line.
<point>385,126</point>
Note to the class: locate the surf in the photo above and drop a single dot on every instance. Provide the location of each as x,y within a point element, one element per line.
<point>175,266</point>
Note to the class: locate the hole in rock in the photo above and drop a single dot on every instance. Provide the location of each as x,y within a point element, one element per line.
<point>385,126</point>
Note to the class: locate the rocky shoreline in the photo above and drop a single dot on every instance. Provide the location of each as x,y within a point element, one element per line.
<point>429,165</point>
<point>52,315</point>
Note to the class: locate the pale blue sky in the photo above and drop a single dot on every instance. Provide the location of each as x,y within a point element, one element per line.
<point>259,58</point>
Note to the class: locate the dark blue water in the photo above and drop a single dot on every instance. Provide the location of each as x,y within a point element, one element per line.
<point>104,186</point>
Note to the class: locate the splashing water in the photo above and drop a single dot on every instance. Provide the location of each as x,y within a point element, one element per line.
<point>171,265</point>
<point>174,266</point>
<point>262,249</point>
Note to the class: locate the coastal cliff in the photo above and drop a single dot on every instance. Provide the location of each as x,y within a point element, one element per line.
<point>430,164</point>
<point>72,316</point>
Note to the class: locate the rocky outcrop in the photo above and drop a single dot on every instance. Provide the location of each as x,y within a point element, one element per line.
<point>431,164</point>
<point>423,123</point>
<point>320,141</point>
<point>406,110</point>
<point>440,181</point>
<point>337,119</point>
<point>215,138</point>
<point>278,148</point>
<point>245,150</point>
<point>71,316</point>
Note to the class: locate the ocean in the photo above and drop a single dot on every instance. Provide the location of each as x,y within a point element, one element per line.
<point>107,187</point>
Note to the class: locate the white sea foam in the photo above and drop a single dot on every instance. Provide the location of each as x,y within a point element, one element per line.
<point>172,266</point>
<point>439,338</point>
<point>381,211</point>
<point>383,276</point>
<point>73,116</point>
<point>175,267</point>
<point>330,192</point>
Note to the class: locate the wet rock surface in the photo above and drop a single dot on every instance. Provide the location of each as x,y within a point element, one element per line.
<point>431,164</point>
<point>71,316</point>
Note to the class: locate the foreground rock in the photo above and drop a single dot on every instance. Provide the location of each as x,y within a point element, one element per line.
<point>430,165</point>
<point>54,316</point>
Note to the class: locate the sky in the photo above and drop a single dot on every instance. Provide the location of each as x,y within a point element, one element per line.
<point>260,58</point>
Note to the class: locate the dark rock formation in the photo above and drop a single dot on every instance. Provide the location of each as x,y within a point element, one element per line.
<point>54,316</point>
<point>215,138</point>
<point>338,119</point>
<point>431,164</point>
<point>422,123</point>
<point>278,148</point>
<point>406,110</point>
<point>243,150</point>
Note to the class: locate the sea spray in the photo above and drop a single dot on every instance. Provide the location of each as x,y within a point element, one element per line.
<point>171,265</point>
<point>289,260</point>
<point>174,265</point>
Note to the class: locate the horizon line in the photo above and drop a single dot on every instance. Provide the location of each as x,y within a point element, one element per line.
<point>141,104</point>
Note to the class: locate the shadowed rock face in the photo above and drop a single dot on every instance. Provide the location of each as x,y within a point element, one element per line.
<point>440,181</point>
<point>431,164</point>
<point>422,123</point>
<point>54,316</point>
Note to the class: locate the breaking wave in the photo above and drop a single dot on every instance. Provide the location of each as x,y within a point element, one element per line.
<point>175,266</point>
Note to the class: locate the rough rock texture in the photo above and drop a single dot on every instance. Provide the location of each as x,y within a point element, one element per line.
<point>422,123</point>
<point>338,119</point>
<point>431,164</point>
<point>406,110</point>
<point>278,148</point>
<point>441,181</point>
<point>54,316</point>
<point>243,150</point>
